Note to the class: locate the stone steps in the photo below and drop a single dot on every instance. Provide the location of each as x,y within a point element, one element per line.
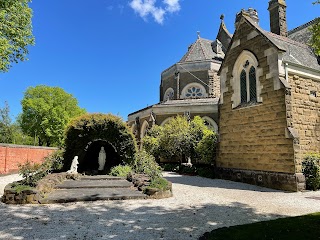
<point>92,188</point>
<point>71,184</point>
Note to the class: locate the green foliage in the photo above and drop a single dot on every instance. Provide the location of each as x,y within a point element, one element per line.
<point>120,170</point>
<point>146,164</point>
<point>151,142</point>
<point>15,32</point>
<point>19,188</point>
<point>54,161</point>
<point>311,170</point>
<point>160,183</point>
<point>180,138</point>
<point>46,111</point>
<point>5,124</point>
<point>32,173</point>
<point>93,127</point>
<point>206,147</point>
<point>207,172</point>
<point>315,38</point>
<point>172,167</point>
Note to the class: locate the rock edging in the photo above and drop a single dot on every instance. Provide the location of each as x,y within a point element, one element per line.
<point>34,195</point>
<point>142,182</point>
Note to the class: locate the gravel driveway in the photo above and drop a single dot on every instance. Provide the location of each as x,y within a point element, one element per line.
<point>198,205</point>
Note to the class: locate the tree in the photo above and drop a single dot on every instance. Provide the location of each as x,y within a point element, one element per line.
<point>15,32</point>
<point>46,111</point>
<point>5,124</point>
<point>181,138</point>
<point>315,38</point>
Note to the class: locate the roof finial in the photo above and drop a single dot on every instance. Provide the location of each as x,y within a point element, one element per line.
<point>222,17</point>
<point>198,33</point>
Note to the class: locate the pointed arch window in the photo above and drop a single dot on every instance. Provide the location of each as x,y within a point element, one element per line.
<point>243,86</point>
<point>248,84</point>
<point>245,81</point>
<point>253,84</point>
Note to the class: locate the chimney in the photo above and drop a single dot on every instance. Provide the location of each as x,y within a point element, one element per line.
<point>252,13</point>
<point>278,18</point>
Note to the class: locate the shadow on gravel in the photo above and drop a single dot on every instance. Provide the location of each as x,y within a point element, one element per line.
<point>214,183</point>
<point>120,220</point>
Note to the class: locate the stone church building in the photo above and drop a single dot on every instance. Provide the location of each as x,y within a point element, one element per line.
<point>259,89</point>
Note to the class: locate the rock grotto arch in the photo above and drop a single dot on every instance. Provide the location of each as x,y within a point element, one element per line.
<point>86,135</point>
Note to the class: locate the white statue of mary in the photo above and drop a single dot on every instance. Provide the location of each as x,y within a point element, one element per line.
<point>102,159</point>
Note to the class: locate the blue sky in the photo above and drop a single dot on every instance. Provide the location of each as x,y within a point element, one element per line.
<point>109,54</point>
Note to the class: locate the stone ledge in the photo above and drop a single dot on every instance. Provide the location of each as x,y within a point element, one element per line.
<point>282,181</point>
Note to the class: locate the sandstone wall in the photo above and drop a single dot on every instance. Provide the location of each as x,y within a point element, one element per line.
<point>305,115</point>
<point>253,139</point>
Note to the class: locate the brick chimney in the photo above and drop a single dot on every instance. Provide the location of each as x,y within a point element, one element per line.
<point>278,17</point>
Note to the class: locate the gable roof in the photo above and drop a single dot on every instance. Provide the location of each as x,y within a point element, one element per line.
<point>293,51</point>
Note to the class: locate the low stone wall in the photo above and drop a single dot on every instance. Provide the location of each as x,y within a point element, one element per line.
<point>12,155</point>
<point>275,180</point>
<point>34,196</point>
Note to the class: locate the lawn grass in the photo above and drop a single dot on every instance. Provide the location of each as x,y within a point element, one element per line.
<point>302,227</point>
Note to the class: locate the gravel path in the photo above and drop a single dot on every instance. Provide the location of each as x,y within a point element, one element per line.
<point>198,205</point>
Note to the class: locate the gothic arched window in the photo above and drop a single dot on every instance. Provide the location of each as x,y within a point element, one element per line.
<point>253,84</point>
<point>245,81</point>
<point>243,86</point>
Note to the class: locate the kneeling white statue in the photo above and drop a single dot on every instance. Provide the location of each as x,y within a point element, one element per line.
<point>74,165</point>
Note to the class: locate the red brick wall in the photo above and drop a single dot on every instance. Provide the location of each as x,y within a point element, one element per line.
<point>13,155</point>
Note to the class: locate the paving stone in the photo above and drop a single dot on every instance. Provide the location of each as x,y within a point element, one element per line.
<point>101,177</point>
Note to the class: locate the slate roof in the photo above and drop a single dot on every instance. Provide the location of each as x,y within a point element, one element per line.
<point>302,34</point>
<point>201,50</point>
<point>294,52</point>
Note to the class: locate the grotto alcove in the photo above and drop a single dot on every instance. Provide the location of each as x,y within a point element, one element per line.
<point>86,135</point>
<point>88,163</point>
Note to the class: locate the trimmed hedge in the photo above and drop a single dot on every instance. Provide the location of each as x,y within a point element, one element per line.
<point>89,128</point>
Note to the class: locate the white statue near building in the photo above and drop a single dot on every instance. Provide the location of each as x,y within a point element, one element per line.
<point>102,159</point>
<point>74,165</point>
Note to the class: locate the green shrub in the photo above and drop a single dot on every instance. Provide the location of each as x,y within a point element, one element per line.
<point>206,148</point>
<point>55,161</point>
<point>93,127</point>
<point>160,183</point>
<point>146,164</point>
<point>207,172</point>
<point>120,170</point>
<point>32,173</point>
<point>311,171</point>
<point>188,169</point>
<point>173,167</point>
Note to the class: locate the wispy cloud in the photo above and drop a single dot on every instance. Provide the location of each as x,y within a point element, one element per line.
<point>151,7</point>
